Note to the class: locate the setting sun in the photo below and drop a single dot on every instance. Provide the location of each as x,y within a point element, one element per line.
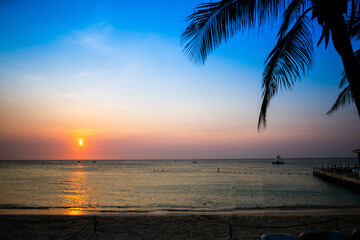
<point>80,142</point>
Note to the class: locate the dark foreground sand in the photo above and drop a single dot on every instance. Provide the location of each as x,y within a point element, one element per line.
<point>173,226</point>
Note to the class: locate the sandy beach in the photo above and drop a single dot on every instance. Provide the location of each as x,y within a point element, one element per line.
<point>175,226</point>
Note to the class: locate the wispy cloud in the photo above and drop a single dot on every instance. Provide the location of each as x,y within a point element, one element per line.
<point>95,38</point>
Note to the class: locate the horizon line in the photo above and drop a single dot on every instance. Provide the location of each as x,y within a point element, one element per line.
<point>172,159</point>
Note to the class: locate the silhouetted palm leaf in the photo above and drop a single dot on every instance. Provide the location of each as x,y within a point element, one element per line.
<point>354,23</point>
<point>214,22</point>
<point>290,58</point>
<point>354,4</point>
<point>345,97</point>
<point>343,80</point>
<point>292,13</point>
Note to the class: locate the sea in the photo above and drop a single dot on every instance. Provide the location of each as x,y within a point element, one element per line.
<point>163,186</point>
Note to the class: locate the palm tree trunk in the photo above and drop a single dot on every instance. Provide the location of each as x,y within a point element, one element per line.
<point>341,40</point>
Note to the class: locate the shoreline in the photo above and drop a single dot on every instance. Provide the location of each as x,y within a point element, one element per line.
<point>250,212</point>
<point>176,226</point>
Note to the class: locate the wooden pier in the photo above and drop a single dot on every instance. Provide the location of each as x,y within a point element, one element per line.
<point>348,180</point>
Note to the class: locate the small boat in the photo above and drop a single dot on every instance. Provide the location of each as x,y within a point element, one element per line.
<point>194,161</point>
<point>278,160</point>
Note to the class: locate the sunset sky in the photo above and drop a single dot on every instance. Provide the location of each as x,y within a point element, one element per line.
<point>113,74</point>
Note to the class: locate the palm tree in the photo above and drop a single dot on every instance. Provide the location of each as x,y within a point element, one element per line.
<point>215,22</point>
<point>345,97</point>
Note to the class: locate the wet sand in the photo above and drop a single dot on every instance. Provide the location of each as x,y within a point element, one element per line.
<point>175,226</point>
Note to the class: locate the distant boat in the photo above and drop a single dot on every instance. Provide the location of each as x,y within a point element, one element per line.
<point>194,161</point>
<point>94,162</point>
<point>278,160</point>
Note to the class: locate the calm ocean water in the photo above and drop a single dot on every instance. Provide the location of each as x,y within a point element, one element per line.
<point>169,185</point>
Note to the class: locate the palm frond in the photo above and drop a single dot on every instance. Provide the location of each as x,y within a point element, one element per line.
<point>344,98</point>
<point>352,14</point>
<point>267,9</point>
<point>291,14</point>
<point>343,80</point>
<point>290,58</point>
<point>325,34</point>
<point>215,22</point>
<point>354,25</point>
<point>323,11</point>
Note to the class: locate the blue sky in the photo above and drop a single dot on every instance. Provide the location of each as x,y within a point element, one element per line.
<point>113,73</point>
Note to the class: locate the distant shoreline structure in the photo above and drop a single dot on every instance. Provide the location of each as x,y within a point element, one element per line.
<point>341,175</point>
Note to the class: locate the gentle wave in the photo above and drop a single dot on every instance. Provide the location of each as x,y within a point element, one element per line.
<point>115,209</point>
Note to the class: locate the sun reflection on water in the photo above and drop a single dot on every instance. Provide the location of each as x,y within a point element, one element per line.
<point>77,193</point>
